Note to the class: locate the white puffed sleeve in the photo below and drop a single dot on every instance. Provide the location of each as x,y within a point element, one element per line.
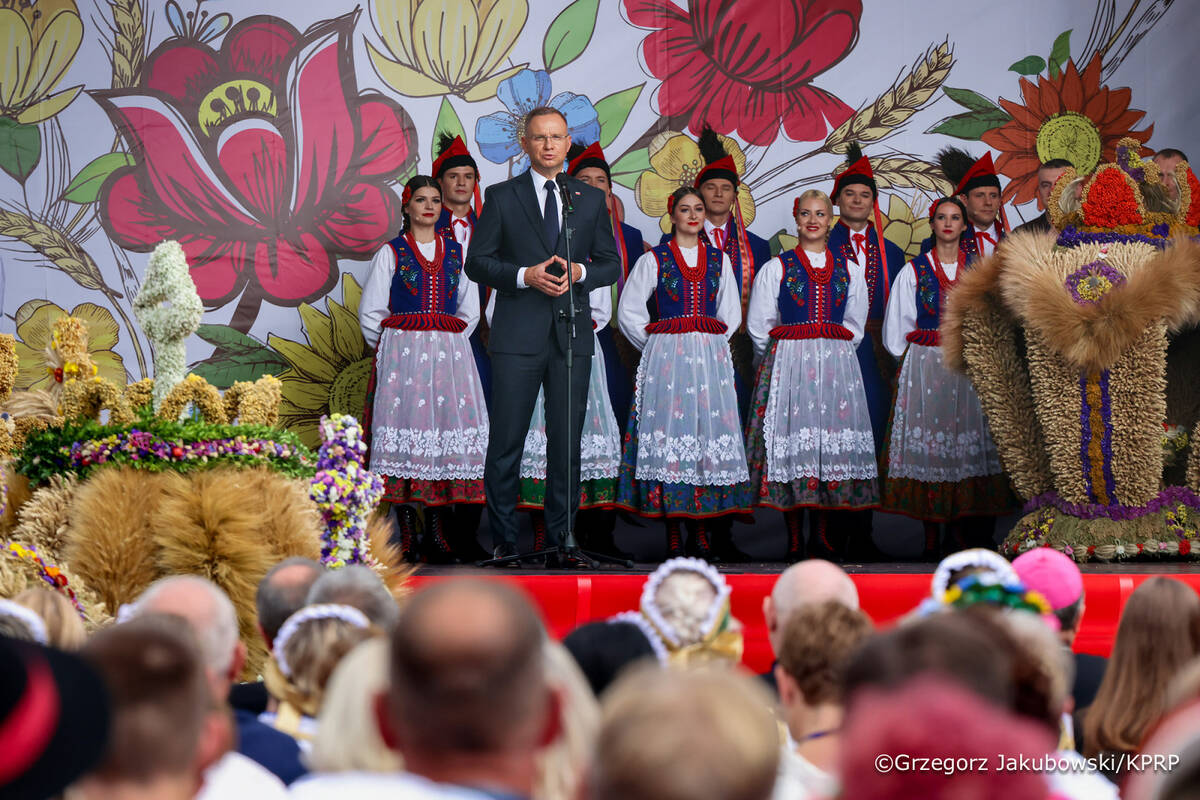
<point>858,303</point>
<point>729,298</point>
<point>468,303</point>
<point>632,314</point>
<point>900,318</point>
<point>600,301</point>
<point>373,306</point>
<point>763,313</point>
<point>491,307</point>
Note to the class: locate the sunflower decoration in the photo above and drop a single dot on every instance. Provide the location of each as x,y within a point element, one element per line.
<point>329,375</point>
<point>675,161</point>
<point>905,229</point>
<point>1070,116</point>
<point>35,340</point>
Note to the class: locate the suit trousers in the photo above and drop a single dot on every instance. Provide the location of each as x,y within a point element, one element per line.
<point>515,381</point>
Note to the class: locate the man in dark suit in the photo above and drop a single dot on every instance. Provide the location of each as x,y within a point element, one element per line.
<point>519,249</point>
<point>1047,175</point>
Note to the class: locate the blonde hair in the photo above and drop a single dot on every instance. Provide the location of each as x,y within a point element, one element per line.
<point>814,194</point>
<point>312,653</point>
<point>701,734</point>
<point>685,600</point>
<point>348,738</point>
<point>561,766</point>
<point>64,628</point>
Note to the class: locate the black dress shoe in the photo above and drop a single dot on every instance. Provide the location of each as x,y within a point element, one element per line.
<point>506,550</point>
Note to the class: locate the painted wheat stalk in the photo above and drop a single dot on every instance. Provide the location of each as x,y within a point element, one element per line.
<point>129,43</point>
<point>907,173</point>
<point>896,105</point>
<point>55,246</point>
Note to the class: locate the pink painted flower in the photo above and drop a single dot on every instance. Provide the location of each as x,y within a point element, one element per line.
<point>262,159</point>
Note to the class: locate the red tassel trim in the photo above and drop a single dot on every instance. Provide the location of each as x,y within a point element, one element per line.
<point>927,338</point>
<point>812,330</point>
<point>425,322</point>
<point>687,325</point>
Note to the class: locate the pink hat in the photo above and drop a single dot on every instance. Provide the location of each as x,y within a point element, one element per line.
<point>1052,573</point>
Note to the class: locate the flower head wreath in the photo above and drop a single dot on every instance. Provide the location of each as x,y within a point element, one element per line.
<point>37,628</point>
<point>347,614</point>
<point>987,560</point>
<point>635,618</point>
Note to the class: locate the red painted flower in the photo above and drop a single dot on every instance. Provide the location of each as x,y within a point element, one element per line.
<point>261,159</point>
<point>747,66</point>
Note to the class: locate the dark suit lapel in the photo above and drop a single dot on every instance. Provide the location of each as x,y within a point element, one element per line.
<point>533,209</point>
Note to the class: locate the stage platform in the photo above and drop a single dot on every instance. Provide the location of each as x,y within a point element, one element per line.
<point>886,591</point>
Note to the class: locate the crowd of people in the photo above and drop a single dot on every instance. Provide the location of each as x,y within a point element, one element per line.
<point>811,382</point>
<point>456,690</point>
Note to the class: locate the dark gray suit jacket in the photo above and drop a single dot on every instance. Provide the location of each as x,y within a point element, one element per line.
<point>509,236</point>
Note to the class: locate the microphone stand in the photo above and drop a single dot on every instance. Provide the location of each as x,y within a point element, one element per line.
<point>566,551</point>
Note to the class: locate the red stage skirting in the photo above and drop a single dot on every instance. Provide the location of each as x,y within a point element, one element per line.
<point>569,600</point>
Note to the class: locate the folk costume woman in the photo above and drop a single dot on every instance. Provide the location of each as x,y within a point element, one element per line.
<point>429,423</point>
<point>941,463</point>
<point>599,449</point>
<point>683,458</point>
<point>809,437</point>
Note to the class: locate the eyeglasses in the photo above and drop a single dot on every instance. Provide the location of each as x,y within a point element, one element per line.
<point>553,139</point>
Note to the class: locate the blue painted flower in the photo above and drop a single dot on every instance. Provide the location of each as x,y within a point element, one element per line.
<point>499,135</point>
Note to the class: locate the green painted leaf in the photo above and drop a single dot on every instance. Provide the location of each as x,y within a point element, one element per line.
<point>629,167</point>
<point>20,148</point>
<point>971,125</point>
<point>230,340</point>
<point>447,123</point>
<point>782,240</point>
<point>1029,65</point>
<point>85,187</point>
<point>613,112</point>
<point>969,99</point>
<point>1060,53</point>
<point>225,371</point>
<point>568,36</point>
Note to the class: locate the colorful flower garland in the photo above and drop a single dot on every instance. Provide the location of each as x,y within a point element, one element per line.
<point>169,311</point>
<point>1073,237</point>
<point>345,491</point>
<point>989,590</point>
<point>51,574</point>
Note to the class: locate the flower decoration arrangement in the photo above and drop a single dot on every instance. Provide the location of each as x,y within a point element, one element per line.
<point>169,311</point>
<point>88,398</point>
<point>139,394</point>
<point>80,447</point>
<point>254,403</point>
<point>67,357</point>
<point>345,491</point>
<point>1093,281</point>
<point>8,366</point>
<point>992,591</point>
<point>51,574</point>
<point>201,393</point>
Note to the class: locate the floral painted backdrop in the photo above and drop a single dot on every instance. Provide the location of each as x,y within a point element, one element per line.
<point>270,138</point>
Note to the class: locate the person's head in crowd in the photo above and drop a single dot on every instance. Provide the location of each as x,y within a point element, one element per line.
<point>211,617</point>
<point>64,626</point>
<point>358,586</point>
<point>812,581</point>
<point>561,765</point>
<point>817,644</point>
<point>1058,579</point>
<point>604,649</point>
<point>1176,735</point>
<point>54,719</point>
<point>19,622</point>
<point>926,718</point>
<point>1156,638</point>
<point>1047,175</point>
<point>166,729</point>
<point>687,601</point>
<point>347,737</point>
<point>965,563</point>
<point>308,648</point>
<point>282,592</point>
<point>468,701</point>
<point>949,645</point>
<point>699,734</point>
<point>1167,159</point>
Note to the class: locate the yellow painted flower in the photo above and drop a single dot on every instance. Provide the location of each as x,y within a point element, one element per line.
<point>35,325</point>
<point>447,46</point>
<point>329,375</point>
<point>675,161</point>
<point>903,228</point>
<point>38,42</point>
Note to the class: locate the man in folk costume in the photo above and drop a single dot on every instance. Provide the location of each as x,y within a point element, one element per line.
<point>725,229</point>
<point>457,173</point>
<point>978,186</point>
<point>857,238</point>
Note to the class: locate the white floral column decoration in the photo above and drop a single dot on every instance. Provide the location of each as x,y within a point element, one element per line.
<point>169,310</point>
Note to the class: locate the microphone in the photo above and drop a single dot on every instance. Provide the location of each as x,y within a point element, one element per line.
<point>561,180</point>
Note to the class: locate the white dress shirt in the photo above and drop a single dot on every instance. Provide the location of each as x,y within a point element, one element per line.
<point>763,312</point>
<point>539,191</point>
<point>373,308</point>
<point>461,228</point>
<point>632,314</point>
<point>985,247</point>
<point>900,318</point>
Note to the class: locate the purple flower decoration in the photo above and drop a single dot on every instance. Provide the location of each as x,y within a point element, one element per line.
<point>1091,282</point>
<point>499,135</point>
<point>1130,162</point>
<point>1073,237</point>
